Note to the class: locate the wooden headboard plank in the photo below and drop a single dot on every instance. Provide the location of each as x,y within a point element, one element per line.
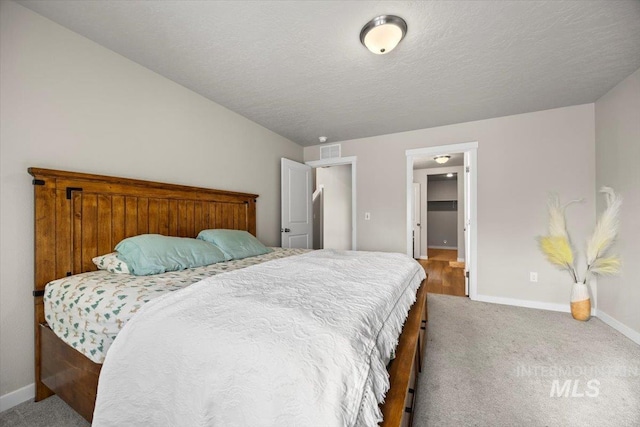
<point>44,227</point>
<point>136,191</point>
<point>106,181</point>
<point>61,230</point>
<point>105,224</point>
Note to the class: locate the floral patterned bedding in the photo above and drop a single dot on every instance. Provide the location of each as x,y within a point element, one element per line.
<point>88,310</point>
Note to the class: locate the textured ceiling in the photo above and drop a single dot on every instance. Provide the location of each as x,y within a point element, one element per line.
<point>298,68</point>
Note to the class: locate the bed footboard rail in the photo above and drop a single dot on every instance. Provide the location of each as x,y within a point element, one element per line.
<point>69,373</point>
<point>397,409</point>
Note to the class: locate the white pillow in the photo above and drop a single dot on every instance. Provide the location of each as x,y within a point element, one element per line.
<point>111,263</point>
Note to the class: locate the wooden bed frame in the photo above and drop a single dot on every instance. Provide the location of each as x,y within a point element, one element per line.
<point>79,216</point>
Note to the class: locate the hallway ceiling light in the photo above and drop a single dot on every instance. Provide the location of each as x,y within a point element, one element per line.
<point>383,33</point>
<point>449,175</point>
<point>442,159</point>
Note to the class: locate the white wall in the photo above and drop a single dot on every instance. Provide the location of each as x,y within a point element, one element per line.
<point>336,212</point>
<point>617,124</point>
<point>442,190</point>
<point>520,159</point>
<point>68,103</point>
<point>442,229</point>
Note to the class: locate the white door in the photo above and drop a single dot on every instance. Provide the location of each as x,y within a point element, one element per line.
<point>416,220</point>
<point>467,221</point>
<point>297,208</point>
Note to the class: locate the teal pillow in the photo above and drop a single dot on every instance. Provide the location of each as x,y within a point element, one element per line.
<point>148,254</point>
<point>237,244</point>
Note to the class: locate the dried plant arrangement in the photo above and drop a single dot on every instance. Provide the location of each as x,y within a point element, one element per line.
<point>558,249</point>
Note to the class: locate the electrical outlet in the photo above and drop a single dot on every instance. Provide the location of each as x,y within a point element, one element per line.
<point>533,276</point>
<point>367,216</point>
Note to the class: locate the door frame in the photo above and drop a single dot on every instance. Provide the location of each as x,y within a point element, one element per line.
<point>339,161</point>
<point>472,149</point>
<point>416,204</point>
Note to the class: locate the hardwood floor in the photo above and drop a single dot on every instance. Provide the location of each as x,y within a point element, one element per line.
<point>446,274</point>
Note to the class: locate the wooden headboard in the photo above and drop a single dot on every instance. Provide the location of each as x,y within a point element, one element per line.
<point>79,216</point>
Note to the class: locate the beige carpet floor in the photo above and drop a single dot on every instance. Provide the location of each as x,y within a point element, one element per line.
<point>496,365</point>
<point>492,365</point>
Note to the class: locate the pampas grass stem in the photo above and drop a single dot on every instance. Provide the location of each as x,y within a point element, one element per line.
<point>556,246</point>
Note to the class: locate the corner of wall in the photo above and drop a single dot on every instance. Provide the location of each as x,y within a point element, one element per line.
<point>617,133</point>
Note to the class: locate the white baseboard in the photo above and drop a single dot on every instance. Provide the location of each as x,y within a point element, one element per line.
<point>619,326</point>
<point>16,397</point>
<point>452,248</point>
<point>460,259</point>
<point>564,308</point>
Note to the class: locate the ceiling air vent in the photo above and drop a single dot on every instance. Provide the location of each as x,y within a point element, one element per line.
<point>330,151</point>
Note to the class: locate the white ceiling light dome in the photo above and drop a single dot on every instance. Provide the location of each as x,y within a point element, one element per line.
<point>383,33</point>
<point>442,159</point>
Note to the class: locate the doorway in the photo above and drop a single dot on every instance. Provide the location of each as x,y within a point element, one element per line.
<point>451,247</point>
<point>332,208</point>
<point>334,203</point>
<point>297,205</point>
<point>443,216</point>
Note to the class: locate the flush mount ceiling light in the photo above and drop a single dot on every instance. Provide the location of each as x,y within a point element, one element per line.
<point>383,33</point>
<point>442,159</point>
<point>449,175</point>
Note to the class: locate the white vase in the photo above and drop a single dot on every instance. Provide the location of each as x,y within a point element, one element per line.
<point>580,302</point>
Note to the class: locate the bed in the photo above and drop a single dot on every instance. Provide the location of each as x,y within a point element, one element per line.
<point>79,216</point>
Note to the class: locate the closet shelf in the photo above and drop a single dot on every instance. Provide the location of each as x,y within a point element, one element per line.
<point>442,205</point>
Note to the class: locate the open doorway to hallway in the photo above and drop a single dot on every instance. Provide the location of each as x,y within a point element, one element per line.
<point>332,215</point>
<point>334,203</point>
<point>441,212</point>
<point>439,222</point>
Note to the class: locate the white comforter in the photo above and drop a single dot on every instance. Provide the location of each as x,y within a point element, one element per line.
<point>300,341</point>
